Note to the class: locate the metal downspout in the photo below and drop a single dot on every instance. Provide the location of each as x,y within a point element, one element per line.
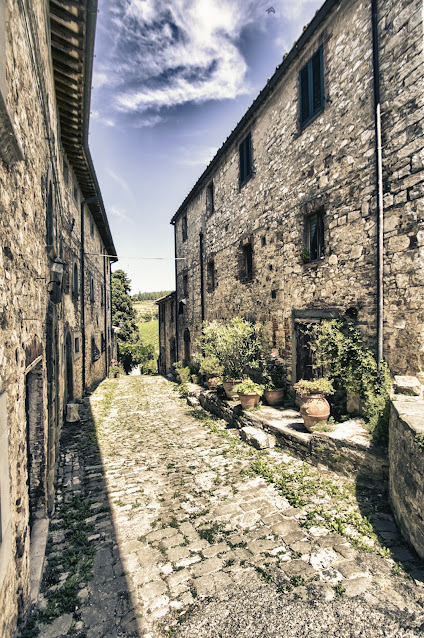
<point>202,283</point>
<point>177,348</point>
<point>379,175</point>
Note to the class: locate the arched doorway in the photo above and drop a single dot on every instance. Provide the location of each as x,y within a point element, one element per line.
<point>187,346</point>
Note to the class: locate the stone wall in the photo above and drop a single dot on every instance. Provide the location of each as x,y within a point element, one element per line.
<point>40,321</point>
<point>406,457</point>
<point>327,166</point>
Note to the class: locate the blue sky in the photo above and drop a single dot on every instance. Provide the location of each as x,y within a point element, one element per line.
<point>171,80</point>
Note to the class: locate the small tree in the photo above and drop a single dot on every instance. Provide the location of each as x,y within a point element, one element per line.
<point>237,345</point>
<point>131,351</point>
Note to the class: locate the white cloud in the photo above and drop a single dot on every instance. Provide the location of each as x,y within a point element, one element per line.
<point>121,182</point>
<point>196,156</point>
<point>119,213</point>
<point>166,53</point>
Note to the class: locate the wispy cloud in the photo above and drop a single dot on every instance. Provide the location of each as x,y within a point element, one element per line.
<point>167,53</point>
<point>196,156</point>
<point>120,213</point>
<point>121,182</point>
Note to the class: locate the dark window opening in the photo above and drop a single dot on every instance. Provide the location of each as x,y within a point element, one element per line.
<point>184,228</point>
<point>102,295</point>
<point>91,289</point>
<point>247,270</point>
<point>181,308</point>
<point>210,199</point>
<point>245,156</point>
<point>91,227</point>
<point>263,240</point>
<point>172,312</point>
<point>76,345</point>
<point>314,237</point>
<point>95,352</point>
<point>75,282</point>
<point>311,87</point>
<point>75,193</point>
<point>273,294</point>
<point>102,342</point>
<point>211,276</point>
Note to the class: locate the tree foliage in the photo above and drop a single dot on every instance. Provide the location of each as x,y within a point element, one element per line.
<point>131,350</point>
<point>150,296</point>
<point>342,351</point>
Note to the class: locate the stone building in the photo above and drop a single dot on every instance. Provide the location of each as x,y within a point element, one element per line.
<point>313,206</point>
<point>55,254</point>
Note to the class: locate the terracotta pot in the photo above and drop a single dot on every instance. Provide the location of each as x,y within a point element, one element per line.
<point>314,408</point>
<point>228,388</point>
<point>212,382</point>
<point>274,397</point>
<point>249,400</point>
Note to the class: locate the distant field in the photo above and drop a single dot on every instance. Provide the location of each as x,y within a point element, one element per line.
<point>145,310</point>
<point>149,332</point>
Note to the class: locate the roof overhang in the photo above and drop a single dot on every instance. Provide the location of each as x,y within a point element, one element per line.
<point>73,25</point>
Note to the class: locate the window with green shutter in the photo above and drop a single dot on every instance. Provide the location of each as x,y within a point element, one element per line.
<point>315,236</point>
<point>245,156</point>
<point>311,87</point>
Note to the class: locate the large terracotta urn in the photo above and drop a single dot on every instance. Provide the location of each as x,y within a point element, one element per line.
<point>274,397</point>
<point>228,388</point>
<point>314,408</point>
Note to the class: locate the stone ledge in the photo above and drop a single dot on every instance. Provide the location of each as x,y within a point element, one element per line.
<point>346,450</point>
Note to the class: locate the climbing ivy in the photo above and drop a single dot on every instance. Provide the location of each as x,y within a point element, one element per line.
<point>341,350</point>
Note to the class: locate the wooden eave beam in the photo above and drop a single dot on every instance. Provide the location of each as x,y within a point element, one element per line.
<point>65,80</point>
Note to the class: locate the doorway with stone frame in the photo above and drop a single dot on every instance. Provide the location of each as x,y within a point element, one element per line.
<point>303,363</point>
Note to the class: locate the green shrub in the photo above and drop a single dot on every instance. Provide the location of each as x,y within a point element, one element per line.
<point>341,349</point>
<point>249,387</point>
<point>237,345</point>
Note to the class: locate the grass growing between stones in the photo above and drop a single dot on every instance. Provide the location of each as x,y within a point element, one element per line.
<point>331,503</point>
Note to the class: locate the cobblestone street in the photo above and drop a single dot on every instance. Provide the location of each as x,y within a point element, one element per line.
<point>167,524</point>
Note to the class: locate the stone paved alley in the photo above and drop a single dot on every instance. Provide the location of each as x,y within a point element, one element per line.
<point>167,524</point>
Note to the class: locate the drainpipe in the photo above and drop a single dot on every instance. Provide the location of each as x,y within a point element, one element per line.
<point>379,174</point>
<point>177,349</point>
<point>90,200</point>
<point>202,283</point>
<point>105,317</point>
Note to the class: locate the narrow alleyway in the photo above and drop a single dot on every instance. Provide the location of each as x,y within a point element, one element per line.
<point>167,524</point>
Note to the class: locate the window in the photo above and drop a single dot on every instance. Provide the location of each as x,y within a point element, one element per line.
<point>103,342</point>
<point>210,202</point>
<point>245,155</point>
<point>91,227</point>
<point>102,295</point>
<point>314,236</point>
<point>184,228</point>
<point>181,308</point>
<point>76,345</point>
<point>211,275</point>
<point>75,283</point>
<point>75,193</point>
<point>247,265</point>
<point>91,289</point>
<point>95,352</point>
<point>311,88</point>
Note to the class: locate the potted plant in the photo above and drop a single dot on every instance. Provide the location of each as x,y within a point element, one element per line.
<point>249,393</point>
<point>274,376</point>
<point>236,345</point>
<point>211,368</point>
<point>314,407</point>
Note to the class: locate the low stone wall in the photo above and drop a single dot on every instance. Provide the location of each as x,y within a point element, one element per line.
<point>406,457</point>
<point>346,450</point>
